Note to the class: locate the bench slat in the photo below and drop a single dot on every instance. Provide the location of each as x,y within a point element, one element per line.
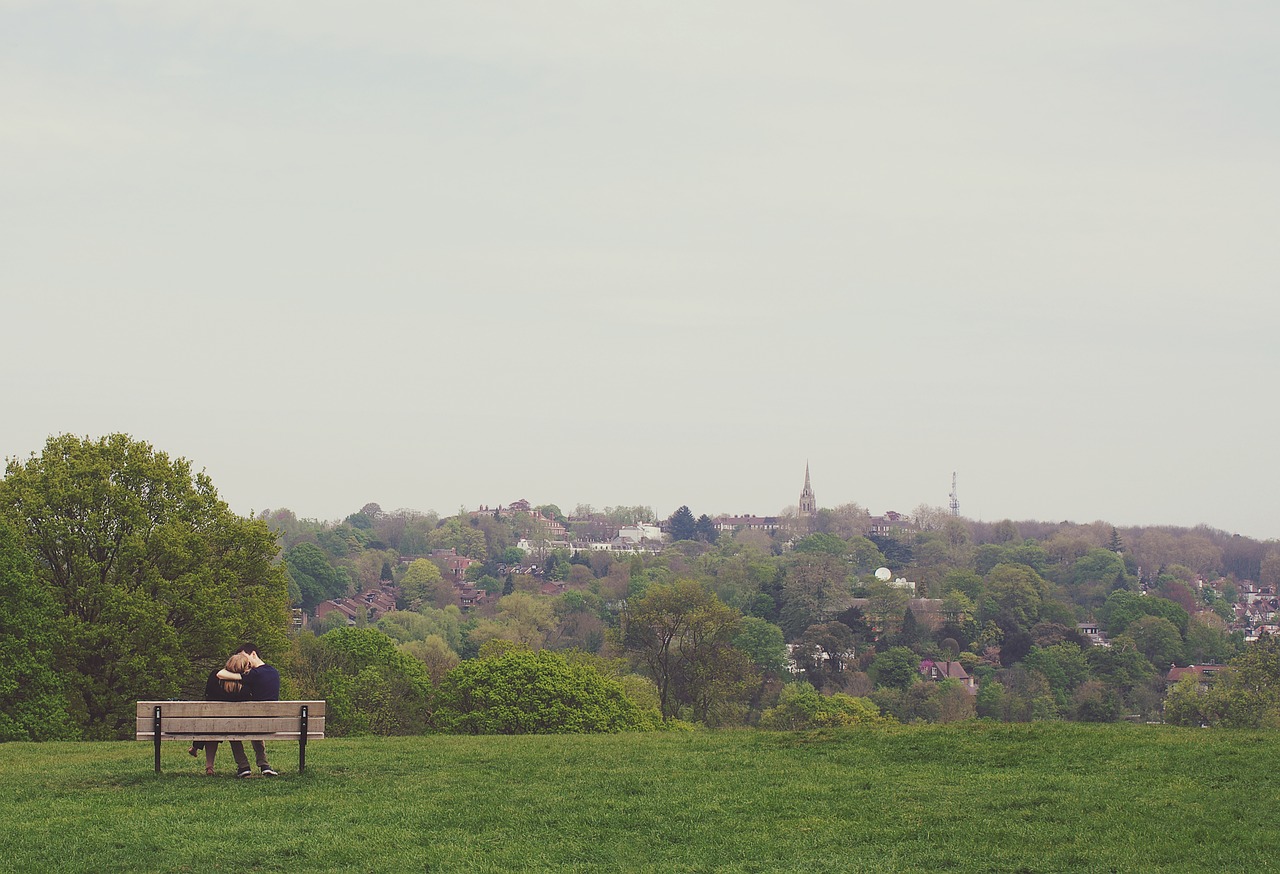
<point>212,725</point>
<point>170,709</point>
<point>280,736</point>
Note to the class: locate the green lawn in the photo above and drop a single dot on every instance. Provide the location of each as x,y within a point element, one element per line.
<point>977,797</point>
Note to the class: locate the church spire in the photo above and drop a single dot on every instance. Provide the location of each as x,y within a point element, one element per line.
<point>808,503</point>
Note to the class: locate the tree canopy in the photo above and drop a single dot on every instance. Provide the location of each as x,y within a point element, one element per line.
<point>153,578</point>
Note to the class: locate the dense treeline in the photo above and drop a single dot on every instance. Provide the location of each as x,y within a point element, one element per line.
<point>708,622</point>
<point>125,577</point>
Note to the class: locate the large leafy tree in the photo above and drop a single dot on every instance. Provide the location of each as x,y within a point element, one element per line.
<point>153,577</point>
<point>825,651</point>
<point>31,702</point>
<point>1156,638</point>
<point>317,579</point>
<point>423,584</point>
<point>896,667</point>
<point>1013,595</point>
<point>816,588</point>
<point>1245,695</point>
<point>763,643</point>
<point>1122,608</point>
<point>372,686</point>
<point>682,636</point>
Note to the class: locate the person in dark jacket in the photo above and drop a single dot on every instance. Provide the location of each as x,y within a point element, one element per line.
<point>261,683</point>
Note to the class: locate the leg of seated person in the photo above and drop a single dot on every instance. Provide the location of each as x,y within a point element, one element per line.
<point>260,755</point>
<point>242,761</point>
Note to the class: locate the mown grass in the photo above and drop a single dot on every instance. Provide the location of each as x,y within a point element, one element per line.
<point>977,797</point>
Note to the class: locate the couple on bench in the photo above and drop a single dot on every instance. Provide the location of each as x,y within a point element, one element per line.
<point>246,677</point>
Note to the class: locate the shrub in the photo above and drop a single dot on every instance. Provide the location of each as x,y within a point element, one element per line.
<point>523,692</point>
<point>800,706</point>
<point>370,685</point>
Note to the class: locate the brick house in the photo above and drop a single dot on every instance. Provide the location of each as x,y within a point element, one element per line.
<point>936,672</point>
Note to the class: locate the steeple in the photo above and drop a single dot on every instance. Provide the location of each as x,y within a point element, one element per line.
<point>808,503</point>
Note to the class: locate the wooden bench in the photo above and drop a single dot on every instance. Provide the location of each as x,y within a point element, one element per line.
<point>223,720</point>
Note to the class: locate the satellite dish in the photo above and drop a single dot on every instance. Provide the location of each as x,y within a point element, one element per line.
<point>884,574</point>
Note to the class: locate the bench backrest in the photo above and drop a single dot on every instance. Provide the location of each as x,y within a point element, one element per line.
<point>223,720</point>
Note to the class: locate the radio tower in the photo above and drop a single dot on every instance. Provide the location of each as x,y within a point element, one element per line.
<point>955,496</point>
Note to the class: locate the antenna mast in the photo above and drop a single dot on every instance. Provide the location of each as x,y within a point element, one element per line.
<point>955,496</point>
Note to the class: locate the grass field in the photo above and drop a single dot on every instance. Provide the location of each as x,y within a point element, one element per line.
<point>977,797</point>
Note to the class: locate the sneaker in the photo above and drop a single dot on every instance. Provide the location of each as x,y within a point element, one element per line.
<point>245,773</point>
<point>269,772</point>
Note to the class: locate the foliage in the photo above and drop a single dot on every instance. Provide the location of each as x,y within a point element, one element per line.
<point>1094,701</point>
<point>825,651</point>
<point>682,525</point>
<point>405,626</point>
<point>1156,638</point>
<point>32,706</point>
<point>815,589</point>
<point>1098,565</point>
<point>1063,666</point>
<point>763,643</point>
<point>681,635</point>
<point>154,578</point>
<point>945,701</point>
<point>897,667</point>
<point>317,579</point>
<point>1244,695</point>
<point>371,686</point>
<point>1122,608</point>
<point>800,706</point>
<point>1012,596</point>
<point>435,654</point>
<point>1017,695</point>
<point>525,692</point>
<point>521,618</point>
<point>422,585</point>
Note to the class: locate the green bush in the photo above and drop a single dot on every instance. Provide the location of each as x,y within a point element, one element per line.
<point>801,706</point>
<point>525,692</point>
<point>371,686</point>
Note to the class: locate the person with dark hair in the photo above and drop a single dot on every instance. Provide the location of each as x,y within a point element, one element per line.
<point>261,683</point>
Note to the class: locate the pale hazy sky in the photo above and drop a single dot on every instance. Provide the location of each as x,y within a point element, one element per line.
<point>439,254</point>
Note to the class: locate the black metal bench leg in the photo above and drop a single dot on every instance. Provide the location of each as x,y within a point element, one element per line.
<point>302,742</point>
<point>155,726</point>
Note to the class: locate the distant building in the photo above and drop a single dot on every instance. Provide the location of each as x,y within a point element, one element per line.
<point>1206,675</point>
<point>808,503</point>
<point>892,522</point>
<point>637,534</point>
<point>471,596</point>
<point>373,603</point>
<point>453,566</point>
<point>768,524</point>
<point>936,672</point>
<point>1092,632</point>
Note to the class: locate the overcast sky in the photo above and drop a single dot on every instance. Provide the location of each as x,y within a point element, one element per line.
<point>441,254</point>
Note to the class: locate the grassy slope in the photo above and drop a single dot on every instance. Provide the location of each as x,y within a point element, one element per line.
<point>1044,797</point>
